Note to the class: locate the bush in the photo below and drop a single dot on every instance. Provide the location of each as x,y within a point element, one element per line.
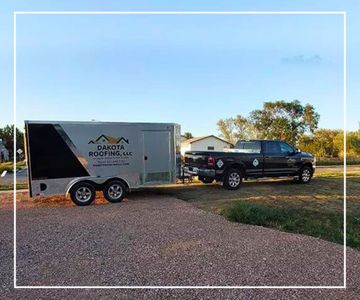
<point>328,144</point>
<point>337,161</point>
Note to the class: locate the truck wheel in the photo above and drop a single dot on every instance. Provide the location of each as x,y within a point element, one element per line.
<point>206,179</point>
<point>114,191</point>
<point>232,179</point>
<point>82,193</point>
<point>305,175</point>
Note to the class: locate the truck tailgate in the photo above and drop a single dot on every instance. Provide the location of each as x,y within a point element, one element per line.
<point>195,160</point>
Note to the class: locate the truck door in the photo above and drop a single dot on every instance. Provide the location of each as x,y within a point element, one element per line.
<point>278,160</point>
<point>156,157</point>
<point>252,157</point>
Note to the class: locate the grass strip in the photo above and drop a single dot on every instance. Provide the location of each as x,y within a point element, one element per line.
<point>325,225</point>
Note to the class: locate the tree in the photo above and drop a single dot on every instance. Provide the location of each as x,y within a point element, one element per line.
<point>276,120</point>
<point>187,135</point>
<point>234,129</point>
<point>7,135</point>
<point>284,120</point>
<point>352,144</point>
<point>226,128</point>
<point>321,143</point>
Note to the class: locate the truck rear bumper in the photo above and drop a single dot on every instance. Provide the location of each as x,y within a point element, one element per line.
<point>200,172</point>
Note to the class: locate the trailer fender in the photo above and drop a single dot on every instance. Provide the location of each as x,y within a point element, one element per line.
<point>73,182</point>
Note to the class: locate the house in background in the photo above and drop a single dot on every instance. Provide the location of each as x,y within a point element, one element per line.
<point>204,143</point>
<point>4,153</point>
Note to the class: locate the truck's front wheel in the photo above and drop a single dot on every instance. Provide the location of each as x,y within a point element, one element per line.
<point>232,179</point>
<point>305,175</point>
<point>82,193</point>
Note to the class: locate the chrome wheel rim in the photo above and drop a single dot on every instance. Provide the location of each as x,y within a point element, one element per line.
<point>83,194</point>
<point>234,179</point>
<point>115,191</point>
<point>305,176</point>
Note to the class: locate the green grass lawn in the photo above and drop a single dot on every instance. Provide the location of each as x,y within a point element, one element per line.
<point>8,186</point>
<point>314,209</point>
<point>9,166</point>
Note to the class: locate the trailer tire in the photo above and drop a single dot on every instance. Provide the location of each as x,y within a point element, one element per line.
<point>114,191</point>
<point>82,193</point>
<point>232,179</point>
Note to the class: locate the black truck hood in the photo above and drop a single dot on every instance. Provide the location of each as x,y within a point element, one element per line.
<point>305,154</point>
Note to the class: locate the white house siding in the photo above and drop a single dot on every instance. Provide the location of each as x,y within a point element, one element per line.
<point>185,147</point>
<point>203,144</point>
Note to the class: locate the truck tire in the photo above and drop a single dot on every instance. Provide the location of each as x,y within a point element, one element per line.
<point>305,174</point>
<point>206,179</point>
<point>114,191</point>
<point>82,193</point>
<point>232,179</point>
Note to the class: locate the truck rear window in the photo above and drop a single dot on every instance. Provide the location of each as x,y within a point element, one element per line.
<point>248,147</point>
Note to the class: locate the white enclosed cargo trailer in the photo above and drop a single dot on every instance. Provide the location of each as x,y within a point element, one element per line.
<point>79,158</point>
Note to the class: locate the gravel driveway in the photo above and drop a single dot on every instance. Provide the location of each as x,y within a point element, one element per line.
<point>154,240</point>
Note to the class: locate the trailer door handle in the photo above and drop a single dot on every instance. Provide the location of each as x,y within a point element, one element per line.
<point>145,157</point>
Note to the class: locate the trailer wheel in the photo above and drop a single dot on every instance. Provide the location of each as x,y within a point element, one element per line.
<point>82,193</point>
<point>114,191</point>
<point>232,179</point>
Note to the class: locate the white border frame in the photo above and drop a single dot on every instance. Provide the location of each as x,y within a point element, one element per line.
<point>343,13</point>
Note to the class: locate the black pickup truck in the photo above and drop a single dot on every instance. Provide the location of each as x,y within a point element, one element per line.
<point>250,159</point>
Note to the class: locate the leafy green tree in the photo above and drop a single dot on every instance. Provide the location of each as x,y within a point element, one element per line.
<point>321,143</point>
<point>187,135</point>
<point>284,120</point>
<point>7,135</point>
<point>227,129</point>
<point>352,144</point>
<point>276,120</point>
<point>244,128</point>
<point>234,129</point>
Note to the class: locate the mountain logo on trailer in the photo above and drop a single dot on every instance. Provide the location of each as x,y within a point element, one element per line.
<point>107,139</point>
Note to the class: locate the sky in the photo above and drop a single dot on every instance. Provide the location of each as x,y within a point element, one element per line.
<point>188,69</point>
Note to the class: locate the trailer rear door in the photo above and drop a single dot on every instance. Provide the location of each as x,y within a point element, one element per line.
<point>157,159</point>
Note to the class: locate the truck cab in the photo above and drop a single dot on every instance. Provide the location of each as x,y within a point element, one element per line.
<point>250,159</point>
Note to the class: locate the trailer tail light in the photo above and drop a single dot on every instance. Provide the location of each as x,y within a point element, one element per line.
<point>211,161</point>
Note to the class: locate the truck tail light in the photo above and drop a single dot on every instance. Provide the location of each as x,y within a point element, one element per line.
<point>211,161</point>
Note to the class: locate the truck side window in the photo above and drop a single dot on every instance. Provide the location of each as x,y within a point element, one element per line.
<point>286,149</point>
<point>248,146</point>
<point>272,147</point>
